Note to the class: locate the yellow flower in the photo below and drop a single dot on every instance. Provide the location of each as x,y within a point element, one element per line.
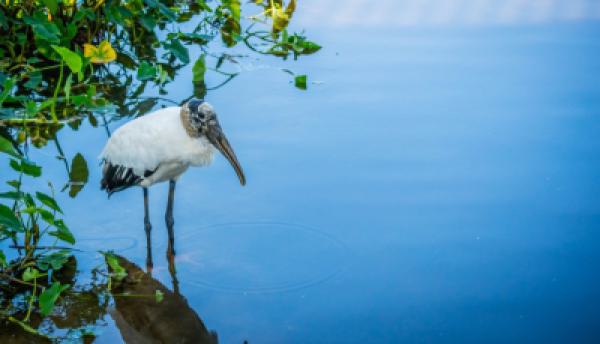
<point>103,53</point>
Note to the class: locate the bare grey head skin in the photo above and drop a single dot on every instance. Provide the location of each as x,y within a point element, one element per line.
<point>200,120</point>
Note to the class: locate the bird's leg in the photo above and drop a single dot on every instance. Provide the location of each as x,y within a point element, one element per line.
<point>147,228</point>
<point>173,272</point>
<point>169,218</point>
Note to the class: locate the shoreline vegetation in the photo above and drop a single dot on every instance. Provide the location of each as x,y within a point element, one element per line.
<point>63,62</point>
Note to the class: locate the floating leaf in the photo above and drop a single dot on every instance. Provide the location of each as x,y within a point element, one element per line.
<point>49,296</point>
<point>300,81</point>
<point>103,53</point>
<point>2,259</point>
<point>72,59</point>
<point>78,175</point>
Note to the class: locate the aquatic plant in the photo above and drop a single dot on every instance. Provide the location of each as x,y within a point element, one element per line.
<point>63,62</point>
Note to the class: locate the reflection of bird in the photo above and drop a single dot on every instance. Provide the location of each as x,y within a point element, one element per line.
<point>141,318</point>
<point>160,147</point>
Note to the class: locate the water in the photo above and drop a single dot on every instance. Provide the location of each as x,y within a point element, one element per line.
<point>440,185</point>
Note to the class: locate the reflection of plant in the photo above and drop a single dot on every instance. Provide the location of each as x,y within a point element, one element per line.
<point>61,58</point>
<point>63,62</point>
<point>26,221</point>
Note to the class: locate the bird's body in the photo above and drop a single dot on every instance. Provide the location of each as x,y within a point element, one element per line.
<point>160,147</point>
<point>152,149</point>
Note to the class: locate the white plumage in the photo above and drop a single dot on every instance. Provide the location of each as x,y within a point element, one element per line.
<point>157,139</point>
<point>160,147</point>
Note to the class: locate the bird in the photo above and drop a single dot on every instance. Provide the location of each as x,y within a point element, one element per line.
<point>160,147</point>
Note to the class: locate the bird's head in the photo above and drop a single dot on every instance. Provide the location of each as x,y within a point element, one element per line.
<point>202,121</point>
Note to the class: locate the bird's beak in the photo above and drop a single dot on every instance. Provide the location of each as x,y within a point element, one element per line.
<point>216,136</point>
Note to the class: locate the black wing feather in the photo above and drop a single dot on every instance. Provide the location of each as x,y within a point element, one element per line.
<point>116,178</point>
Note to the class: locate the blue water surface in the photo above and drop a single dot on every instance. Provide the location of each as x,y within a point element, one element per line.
<point>433,185</point>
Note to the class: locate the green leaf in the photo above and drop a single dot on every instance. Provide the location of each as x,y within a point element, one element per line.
<point>78,175</point>
<point>147,22</point>
<point>146,71</point>
<point>49,296</point>
<point>35,78</point>
<point>52,5</point>
<point>300,81</point>
<point>54,260</point>
<point>67,87</point>
<point>31,274</point>
<point>62,232</point>
<point>7,147</point>
<point>309,47</point>
<point>158,296</point>
<point>199,69</point>
<point>26,167</point>
<point>43,29</point>
<point>2,259</point>
<point>118,272</point>
<point>178,50</point>
<point>7,87</point>
<point>72,59</point>
<point>8,218</point>
<point>14,195</point>
<point>48,201</point>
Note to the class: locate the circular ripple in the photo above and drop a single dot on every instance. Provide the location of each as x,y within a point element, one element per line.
<point>257,257</point>
<point>117,244</point>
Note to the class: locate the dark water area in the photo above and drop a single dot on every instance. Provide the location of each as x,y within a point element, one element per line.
<point>433,186</point>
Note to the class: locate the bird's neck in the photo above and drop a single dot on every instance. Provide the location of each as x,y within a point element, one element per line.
<point>187,124</point>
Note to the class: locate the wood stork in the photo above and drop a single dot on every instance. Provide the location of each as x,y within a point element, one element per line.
<point>160,147</point>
